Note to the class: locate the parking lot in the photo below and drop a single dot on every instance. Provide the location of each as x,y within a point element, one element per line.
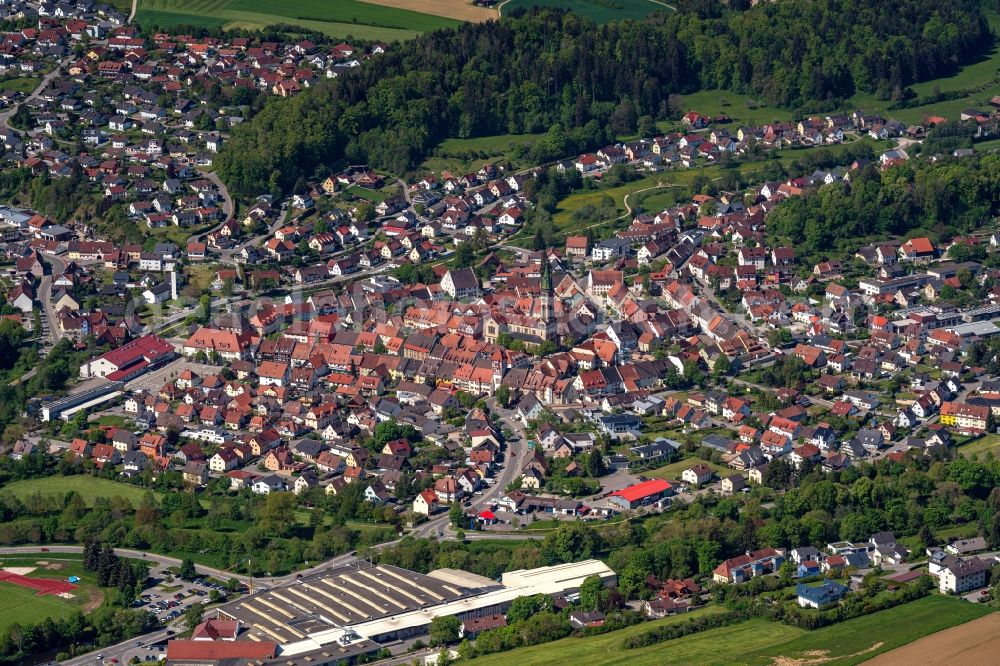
<point>168,599</point>
<point>152,381</point>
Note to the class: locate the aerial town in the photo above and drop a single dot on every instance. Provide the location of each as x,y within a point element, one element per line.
<point>654,386</point>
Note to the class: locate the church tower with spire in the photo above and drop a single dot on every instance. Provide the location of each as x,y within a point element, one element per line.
<point>547,315</point>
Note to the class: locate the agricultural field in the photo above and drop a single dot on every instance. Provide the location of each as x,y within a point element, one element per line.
<point>462,10</point>
<point>89,488</point>
<point>337,18</point>
<point>759,642</point>
<point>976,642</point>
<point>169,19</point>
<point>600,11</point>
<point>981,446</point>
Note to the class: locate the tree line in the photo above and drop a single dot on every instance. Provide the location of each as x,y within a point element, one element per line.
<point>552,71</point>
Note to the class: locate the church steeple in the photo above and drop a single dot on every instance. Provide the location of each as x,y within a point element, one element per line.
<point>546,278</point>
<point>545,298</point>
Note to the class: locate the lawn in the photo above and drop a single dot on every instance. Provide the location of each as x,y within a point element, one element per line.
<point>124,6</point>
<point>601,11</point>
<point>673,470</point>
<point>337,18</point>
<point>757,641</point>
<point>980,447</point>
<point>741,108</point>
<point>23,84</point>
<point>462,156</point>
<point>981,75</point>
<point>966,531</point>
<point>89,488</point>
<point>987,146</point>
<point>174,234</point>
<point>115,420</point>
<point>979,79</point>
<point>372,196</point>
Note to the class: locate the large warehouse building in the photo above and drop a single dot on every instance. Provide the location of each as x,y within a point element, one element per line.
<point>130,360</point>
<point>340,614</point>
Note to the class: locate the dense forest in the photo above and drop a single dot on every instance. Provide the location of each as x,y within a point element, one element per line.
<point>938,199</point>
<point>553,71</point>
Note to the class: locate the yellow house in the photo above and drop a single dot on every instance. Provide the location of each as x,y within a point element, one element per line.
<point>969,418</point>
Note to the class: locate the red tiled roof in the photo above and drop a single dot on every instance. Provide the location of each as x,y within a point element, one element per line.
<point>642,490</point>
<point>218,650</point>
<point>149,347</point>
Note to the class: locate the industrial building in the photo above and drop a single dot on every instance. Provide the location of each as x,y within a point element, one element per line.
<point>641,494</point>
<point>130,360</point>
<point>343,613</point>
<point>91,395</point>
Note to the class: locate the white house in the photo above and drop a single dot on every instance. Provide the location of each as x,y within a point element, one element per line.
<point>697,474</point>
<point>159,293</point>
<point>964,575</point>
<point>223,461</point>
<point>268,484</point>
<point>426,503</point>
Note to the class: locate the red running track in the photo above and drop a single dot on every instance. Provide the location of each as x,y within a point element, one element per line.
<point>42,585</point>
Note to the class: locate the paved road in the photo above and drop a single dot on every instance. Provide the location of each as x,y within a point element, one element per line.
<point>227,203</point>
<point>45,295</point>
<point>514,459</point>
<point>46,80</point>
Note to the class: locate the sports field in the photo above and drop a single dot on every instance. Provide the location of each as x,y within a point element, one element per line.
<point>89,487</point>
<point>337,18</point>
<point>601,11</point>
<point>25,606</point>
<point>757,642</point>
